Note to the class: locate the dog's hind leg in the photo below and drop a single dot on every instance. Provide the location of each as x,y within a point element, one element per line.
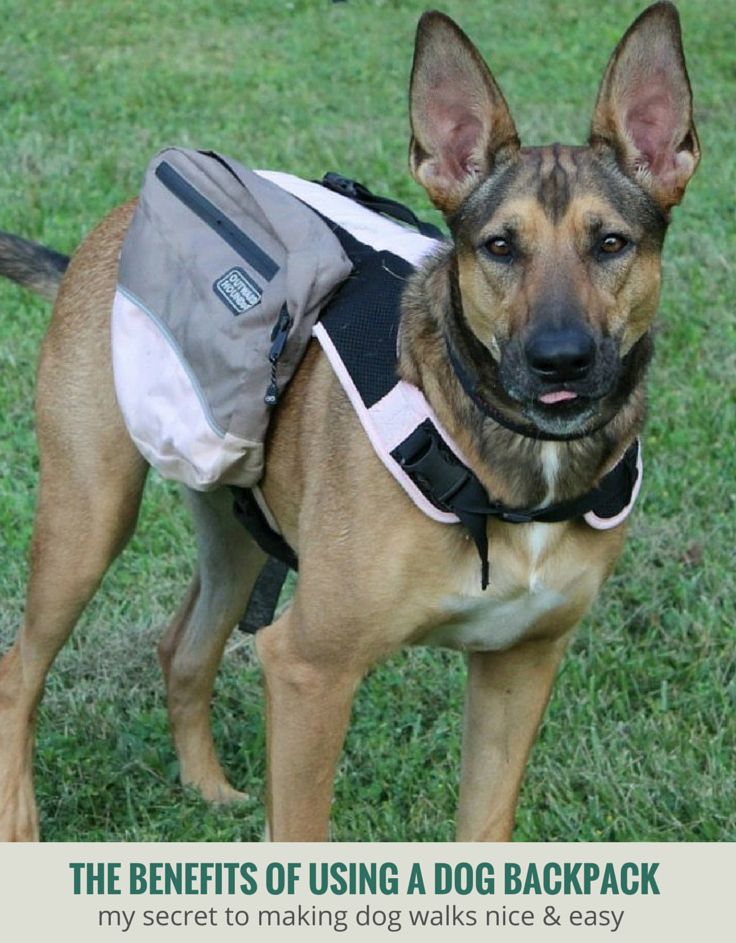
<point>90,486</point>
<point>91,481</point>
<point>190,652</point>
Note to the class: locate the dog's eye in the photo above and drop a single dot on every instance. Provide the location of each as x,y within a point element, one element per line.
<point>612,244</point>
<point>499,248</point>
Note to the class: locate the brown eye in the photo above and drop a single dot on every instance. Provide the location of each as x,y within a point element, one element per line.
<point>612,244</point>
<point>499,247</point>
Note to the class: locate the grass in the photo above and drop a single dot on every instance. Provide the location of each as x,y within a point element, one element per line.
<point>639,740</point>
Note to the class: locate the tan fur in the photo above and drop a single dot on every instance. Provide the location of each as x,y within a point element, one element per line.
<point>375,572</point>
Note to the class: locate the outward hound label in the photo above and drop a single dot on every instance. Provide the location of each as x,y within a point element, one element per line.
<point>239,292</point>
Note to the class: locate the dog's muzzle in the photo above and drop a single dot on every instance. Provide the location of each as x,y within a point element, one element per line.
<point>559,377</point>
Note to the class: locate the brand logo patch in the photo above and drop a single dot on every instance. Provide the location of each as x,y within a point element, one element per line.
<point>238,290</point>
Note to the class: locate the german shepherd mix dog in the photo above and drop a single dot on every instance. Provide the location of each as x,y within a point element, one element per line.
<point>546,293</point>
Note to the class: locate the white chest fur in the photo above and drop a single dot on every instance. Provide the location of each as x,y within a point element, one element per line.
<point>533,580</point>
<point>522,591</point>
<point>479,625</point>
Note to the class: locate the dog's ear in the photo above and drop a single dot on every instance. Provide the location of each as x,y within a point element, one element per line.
<point>459,120</point>
<point>645,110</point>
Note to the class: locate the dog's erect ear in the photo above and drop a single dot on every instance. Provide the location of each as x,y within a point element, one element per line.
<point>459,120</point>
<point>645,110</point>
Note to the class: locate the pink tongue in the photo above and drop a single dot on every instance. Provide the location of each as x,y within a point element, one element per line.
<point>559,397</point>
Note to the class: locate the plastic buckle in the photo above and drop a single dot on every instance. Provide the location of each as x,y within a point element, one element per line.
<point>515,517</point>
<point>414,447</point>
<point>437,475</point>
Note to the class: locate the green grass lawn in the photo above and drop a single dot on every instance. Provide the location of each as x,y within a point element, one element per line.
<point>639,741</point>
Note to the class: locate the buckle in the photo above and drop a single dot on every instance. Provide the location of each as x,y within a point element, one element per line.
<point>453,489</point>
<point>439,476</point>
<point>515,517</point>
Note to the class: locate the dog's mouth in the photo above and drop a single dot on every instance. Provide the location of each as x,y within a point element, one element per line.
<point>577,408</point>
<point>562,408</point>
<point>557,396</point>
<point>562,412</point>
<point>520,398</point>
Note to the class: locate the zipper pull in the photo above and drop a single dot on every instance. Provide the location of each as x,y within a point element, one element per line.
<point>279,336</point>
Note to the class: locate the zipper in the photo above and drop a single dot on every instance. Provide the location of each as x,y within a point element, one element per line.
<point>279,336</point>
<point>217,221</point>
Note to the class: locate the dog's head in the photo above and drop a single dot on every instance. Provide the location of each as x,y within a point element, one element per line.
<point>558,248</point>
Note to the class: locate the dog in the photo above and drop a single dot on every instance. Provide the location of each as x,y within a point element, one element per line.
<point>547,290</point>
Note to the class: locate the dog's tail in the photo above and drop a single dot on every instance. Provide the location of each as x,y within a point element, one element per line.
<point>31,265</point>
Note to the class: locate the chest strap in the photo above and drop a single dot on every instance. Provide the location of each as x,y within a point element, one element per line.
<point>451,486</point>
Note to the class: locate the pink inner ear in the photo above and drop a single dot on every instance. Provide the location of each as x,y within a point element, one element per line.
<point>457,132</point>
<point>652,125</point>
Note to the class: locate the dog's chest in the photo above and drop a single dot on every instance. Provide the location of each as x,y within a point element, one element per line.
<point>532,592</point>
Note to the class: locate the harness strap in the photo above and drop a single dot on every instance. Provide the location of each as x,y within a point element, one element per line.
<point>451,486</point>
<point>268,585</point>
<point>264,597</point>
<point>248,512</point>
<point>379,204</point>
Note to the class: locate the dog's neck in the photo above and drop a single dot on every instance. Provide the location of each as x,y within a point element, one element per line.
<point>516,469</point>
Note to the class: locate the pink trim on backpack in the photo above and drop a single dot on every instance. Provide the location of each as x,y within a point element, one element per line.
<point>179,437</point>
<point>606,523</point>
<point>388,422</point>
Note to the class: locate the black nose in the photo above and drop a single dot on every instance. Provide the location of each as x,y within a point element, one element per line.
<point>558,355</point>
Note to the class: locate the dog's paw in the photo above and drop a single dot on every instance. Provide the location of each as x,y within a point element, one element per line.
<point>219,791</point>
<point>225,795</point>
<point>18,816</point>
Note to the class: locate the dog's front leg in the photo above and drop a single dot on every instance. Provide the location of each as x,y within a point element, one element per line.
<point>505,701</point>
<point>308,702</point>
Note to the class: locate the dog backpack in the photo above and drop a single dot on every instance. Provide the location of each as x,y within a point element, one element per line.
<point>222,275</point>
<point>358,331</point>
